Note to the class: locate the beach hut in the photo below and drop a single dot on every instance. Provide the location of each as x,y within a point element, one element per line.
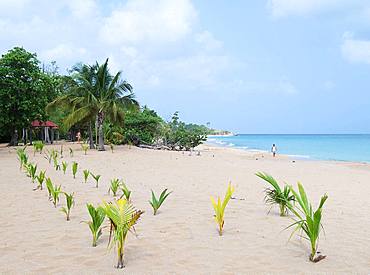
<point>47,130</point>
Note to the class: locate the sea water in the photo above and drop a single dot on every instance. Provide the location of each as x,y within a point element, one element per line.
<point>321,147</point>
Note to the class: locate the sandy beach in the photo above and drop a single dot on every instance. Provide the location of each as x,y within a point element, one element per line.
<point>183,237</point>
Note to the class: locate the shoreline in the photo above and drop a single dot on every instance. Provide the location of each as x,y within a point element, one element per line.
<point>267,155</point>
<point>290,156</point>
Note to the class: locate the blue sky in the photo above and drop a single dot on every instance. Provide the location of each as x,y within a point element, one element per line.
<point>274,66</point>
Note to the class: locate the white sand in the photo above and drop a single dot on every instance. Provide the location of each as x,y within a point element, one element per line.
<point>183,237</point>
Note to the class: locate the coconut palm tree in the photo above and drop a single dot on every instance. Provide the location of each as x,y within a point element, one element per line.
<point>97,95</point>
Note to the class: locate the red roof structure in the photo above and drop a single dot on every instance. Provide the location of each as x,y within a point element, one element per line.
<point>37,123</point>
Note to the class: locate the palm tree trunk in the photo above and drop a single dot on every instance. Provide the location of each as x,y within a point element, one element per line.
<point>100,131</point>
<point>91,140</point>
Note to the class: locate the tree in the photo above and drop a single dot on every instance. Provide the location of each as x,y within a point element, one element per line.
<point>184,136</point>
<point>24,92</point>
<point>97,94</point>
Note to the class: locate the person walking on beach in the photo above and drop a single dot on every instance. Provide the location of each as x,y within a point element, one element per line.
<point>273,150</point>
<point>78,136</point>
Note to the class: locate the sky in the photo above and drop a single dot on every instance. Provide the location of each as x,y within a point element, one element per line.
<point>258,66</point>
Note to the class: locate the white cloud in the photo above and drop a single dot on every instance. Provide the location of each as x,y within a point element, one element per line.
<point>149,21</point>
<point>63,52</point>
<point>82,9</point>
<point>355,50</point>
<point>282,8</point>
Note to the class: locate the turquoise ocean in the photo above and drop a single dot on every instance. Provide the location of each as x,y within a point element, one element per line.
<point>317,147</point>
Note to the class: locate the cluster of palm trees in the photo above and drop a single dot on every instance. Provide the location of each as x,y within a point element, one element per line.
<point>93,94</point>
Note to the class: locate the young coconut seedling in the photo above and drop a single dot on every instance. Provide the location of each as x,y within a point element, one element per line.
<point>276,195</point>
<point>55,192</point>
<point>85,147</point>
<point>31,169</point>
<point>64,166</point>
<point>22,157</point>
<point>70,152</point>
<point>48,156</point>
<point>126,192</point>
<point>40,178</point>
<point>220,207</point>
<point>97,218</point>
<point>96,178</point>
<point>69,203</point>
<point>308,221</point>
<point>49,187</point>
<point>61,151</point>
<point>86,174</point>
<point>156,203</point>
<point>37,146</point>
<point>74,169</point>
<point>56,164</point>
<point>114,186</point>
<point>123,216</point>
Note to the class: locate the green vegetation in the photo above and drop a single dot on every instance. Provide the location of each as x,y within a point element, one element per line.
<point>50,155</point>
<point>25,90</point>
<point>307,220</point>
<point>96,94</point>
<point>37,147</point>
<point>56,163</point>
<point>220,207</point>
<point>69,203</point>
<point>181,136</point>
<point>74,169</point>
<point>40,178</point>
<point>86,174</point>
<point>55,192</point>
<point>126,192</point>
<point>85,147</point>
<point>114,186</point>
<point>276,195</point>
<point>64,166</point>
<point>96,178</point>
<point>31,170</point>
<point>22,157</point>
<point>88,94</point>
<point>156,203</point>
<point>123,217</point>
<point>49,186</point>
<point>97,218</point>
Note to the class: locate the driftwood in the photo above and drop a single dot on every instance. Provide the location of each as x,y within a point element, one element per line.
<point>155,147</point>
